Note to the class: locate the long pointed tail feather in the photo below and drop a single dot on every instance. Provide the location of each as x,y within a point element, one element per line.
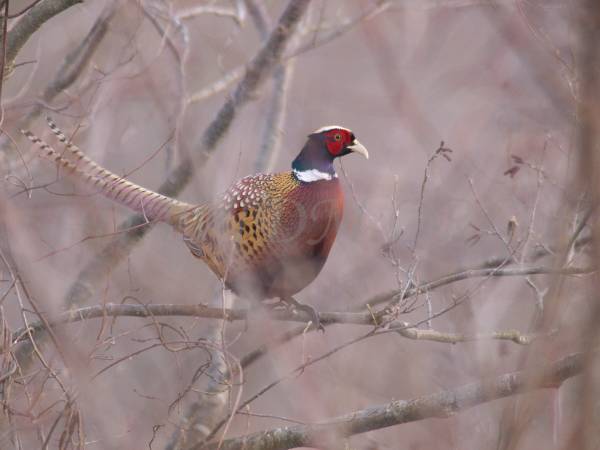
<point>154,206</point>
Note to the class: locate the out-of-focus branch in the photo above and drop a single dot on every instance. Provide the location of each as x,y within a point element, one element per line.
<point>546,77</point>
<point>235,13</point>
<point>324,37</point>
<point>218,86</point>
<point>207,312</point>
<point>204,411</point>
<point>260,17</point>
<point>454,338</point>
<point>536,254</point>
<point>79,58</point>
<point>442,404</point>
<point>68,72</point>
<point>586,435</point>
<point>201,415</point>
<point>256,72</point>
<point>473,273</point>
<point>3,52</point>
<point>275,117</point>
<point>331,33</point>
<point>29,23</point>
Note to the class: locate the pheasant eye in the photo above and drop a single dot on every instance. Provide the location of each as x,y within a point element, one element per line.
<point>337,137</point>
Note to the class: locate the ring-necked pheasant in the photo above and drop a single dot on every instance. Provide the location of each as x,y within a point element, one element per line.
<point>267,237</point>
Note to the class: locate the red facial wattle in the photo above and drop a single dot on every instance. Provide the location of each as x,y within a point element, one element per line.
<point>336,140</point>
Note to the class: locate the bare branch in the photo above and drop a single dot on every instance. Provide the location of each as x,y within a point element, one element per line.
<point>235,74</point>
<point>30,23</point>
<point>207,312</point>
<point>275,116</point>
<point>71,68</point>
<point>473,273</point>
<point>442,404</point>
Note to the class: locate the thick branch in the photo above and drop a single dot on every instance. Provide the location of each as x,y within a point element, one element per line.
<point>441,405</point>
<point>29,23</point>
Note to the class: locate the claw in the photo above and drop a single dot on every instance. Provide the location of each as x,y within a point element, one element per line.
<point>312,312</point>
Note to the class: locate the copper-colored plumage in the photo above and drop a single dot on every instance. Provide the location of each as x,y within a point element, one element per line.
<point>267,237</point>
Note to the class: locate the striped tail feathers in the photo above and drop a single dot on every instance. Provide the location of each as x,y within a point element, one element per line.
<point>154,206</point>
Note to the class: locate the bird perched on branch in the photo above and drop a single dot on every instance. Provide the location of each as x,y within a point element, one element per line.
<point>267,237</point>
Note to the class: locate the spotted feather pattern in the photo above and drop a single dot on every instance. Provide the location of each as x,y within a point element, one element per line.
<point>242,228</point>
<point>262,222</point>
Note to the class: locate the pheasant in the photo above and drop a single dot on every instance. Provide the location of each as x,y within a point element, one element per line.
<point>267,237</point>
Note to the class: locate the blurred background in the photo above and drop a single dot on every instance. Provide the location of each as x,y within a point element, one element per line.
<point>139,86</point>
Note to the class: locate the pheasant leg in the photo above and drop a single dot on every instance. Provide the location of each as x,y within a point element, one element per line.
<point>312,312</point>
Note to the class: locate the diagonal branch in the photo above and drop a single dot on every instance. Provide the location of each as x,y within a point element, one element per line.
<point>68,72</point>
<point>325,37</point>
<point>29,23</point>
<point>439,405</point>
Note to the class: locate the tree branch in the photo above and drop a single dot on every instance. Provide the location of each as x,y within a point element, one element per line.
<point>473,273</point>
<point>207,312</point>
<point>324,37</point>
<point>275,116</point>
<point>441,405</point>
<point>71,68</point>
<point>29,23</point>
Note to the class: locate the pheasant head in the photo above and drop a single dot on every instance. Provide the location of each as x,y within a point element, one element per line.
<point>315,161</point>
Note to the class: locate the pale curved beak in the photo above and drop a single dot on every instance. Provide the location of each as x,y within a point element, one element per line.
<point>357,147</point>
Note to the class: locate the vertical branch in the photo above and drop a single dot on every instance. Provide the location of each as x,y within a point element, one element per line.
<point>588,435</point>
<point>3,55</point>
<point>275,118</point>
<point>202,415</point>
